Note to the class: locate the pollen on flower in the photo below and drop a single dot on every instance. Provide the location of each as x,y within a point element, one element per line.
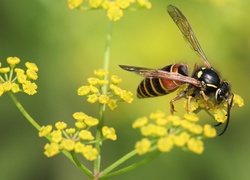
<point>109,133</point>
<point>29,88</point>
<point>93,81</point>
<point>90,153</point>
<point>175,120</point>
<point>15,88</point>
<point>80,125</point>
<point>7,86</point>
<point>191,117</point>
<point>165,144</point>
<point>5,70</point>
<point>181,139</point>
<point>67,144</point>
<point>94,89</point>
<point>95,3</point>
<point>127,96</point>
<point>156,115</point>
<point>196,129</point>
<point>45,130</point>
<point>143,146</point>
<point>51,149</point>
<point>21,77</point>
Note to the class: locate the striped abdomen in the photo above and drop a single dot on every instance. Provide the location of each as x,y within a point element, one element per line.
<point>151,87</point>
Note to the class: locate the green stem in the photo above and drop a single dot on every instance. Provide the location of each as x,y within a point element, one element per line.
<point>24,112</point>
<point>128,168</point>
<point>98,145</point>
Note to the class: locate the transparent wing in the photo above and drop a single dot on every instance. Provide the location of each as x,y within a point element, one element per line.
<point>157,73</point>
<point>184,26</point>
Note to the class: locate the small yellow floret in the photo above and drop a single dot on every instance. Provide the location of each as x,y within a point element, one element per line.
<point>143,146</point>
<point>109,133</point>
<point>90,153</point>
<point>165,144</point>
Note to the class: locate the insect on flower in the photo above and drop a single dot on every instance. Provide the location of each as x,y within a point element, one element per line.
<point>204,82</point>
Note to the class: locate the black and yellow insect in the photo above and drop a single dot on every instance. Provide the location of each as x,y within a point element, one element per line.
<point>205,81</point>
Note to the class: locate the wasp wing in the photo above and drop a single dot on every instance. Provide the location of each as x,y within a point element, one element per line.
<point>158,73</point>
<point>184,26</point>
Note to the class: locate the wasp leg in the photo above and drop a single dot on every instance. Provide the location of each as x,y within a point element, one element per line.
<point>183,93</point>
<point>189,103</point>
<point>205,99</point>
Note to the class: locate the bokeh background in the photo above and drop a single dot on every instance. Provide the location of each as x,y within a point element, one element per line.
<point>68,44</point>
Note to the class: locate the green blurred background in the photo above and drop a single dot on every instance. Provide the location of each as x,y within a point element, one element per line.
<point>68,44</point>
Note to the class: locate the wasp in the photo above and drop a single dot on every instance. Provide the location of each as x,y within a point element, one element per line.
<point>204,81</point>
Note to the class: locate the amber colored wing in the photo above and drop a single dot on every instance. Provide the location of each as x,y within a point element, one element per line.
<point>157,73</point>
<point>184,26</point>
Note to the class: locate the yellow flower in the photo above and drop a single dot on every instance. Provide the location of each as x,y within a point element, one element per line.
<point>45,130</point>
<point>165,144</point>
<point>85,135</point>
<point>29,87</point>
<point>109,133</point>
<point>51,149</point>
<point>90,153</point>
<point>5,70</point>
<point>95,3</point>
<point>79,147</point>
<point>156,115</point>
<point>160,131</point>
<point>101,73</point>
<point>70,130</point>
<point>21,77</point>
<point>13,60</point>
<point>196,129</point>
<point>112,104</point>
<point>7,85</point>
<point>195,145</point>
<point>238,100</point>
<point>103,99</point>
<point>31,74</point>
<point>93,89</point>
<point>1,90</point>
<point>67,144</point>
<point>127,96</point>
<point>220,115</point>
<point>148,130</point>
<point>209,131</point>
<point>74,3</point>
<point>145,3</point>
<point>18,70</point>
<point>31,66</point>
<point>143,146</point>
<point>191,117</point>
<point>103,82</point>
<point>176,120</point>
<point>93,81</point>
<point>15,88</point>
<point>115,79</point>
<point>80,125</point>
<point>80,116</point>
<point>60,125</point>
<point>92,98</point>
<point>181,140</point>
<point>140,122</point>
<point>83,90</point>
<point>161,121</point>
<point>90,121</point>
<point>114,13</point>
<point>56,136</point>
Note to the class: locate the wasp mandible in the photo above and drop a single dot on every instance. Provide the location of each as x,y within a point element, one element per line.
<point>205,81</point>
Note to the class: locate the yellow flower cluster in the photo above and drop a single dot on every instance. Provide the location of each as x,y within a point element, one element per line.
<point>16,79</point>
<point>114,8</point>
<point>165,132</point>
<point>219,111</point>
<point>78,139</point>
<point>95,93</point>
